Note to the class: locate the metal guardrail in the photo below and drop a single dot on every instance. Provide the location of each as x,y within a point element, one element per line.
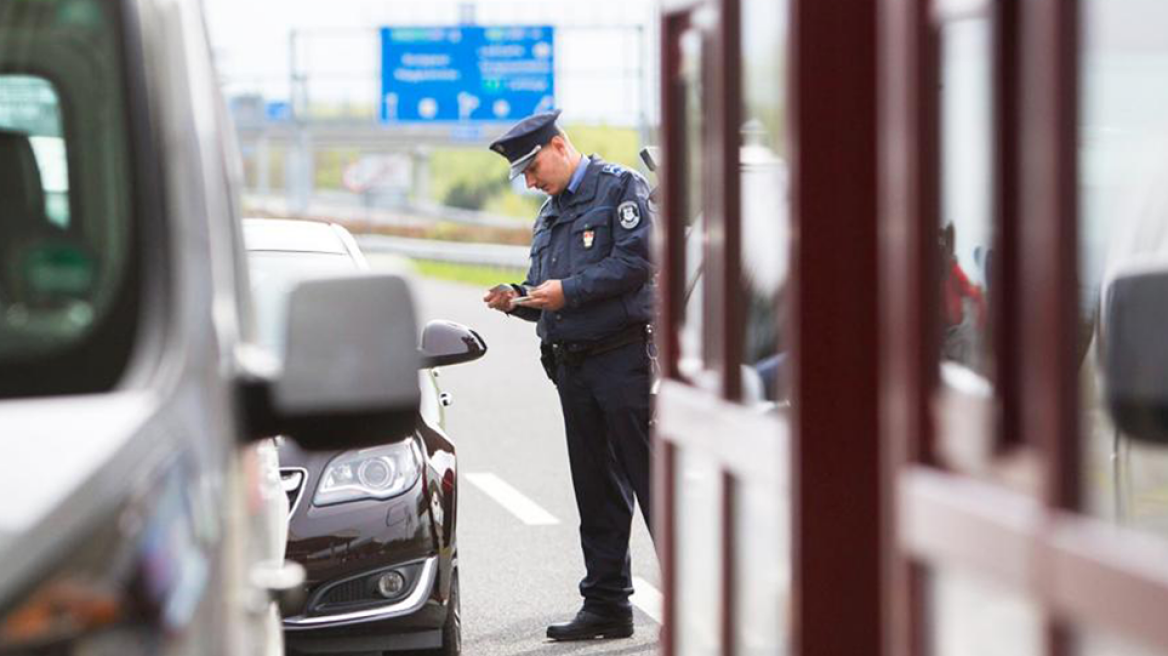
<point>466,217</point>
<point>351,207</point>
<point>493,255</point>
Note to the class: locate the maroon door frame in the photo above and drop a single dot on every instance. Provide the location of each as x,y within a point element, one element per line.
<point>907,144</point>
<point>1081,572</point>
<point>836,447</point>
<point>833,449</point>
<point>680,428</point>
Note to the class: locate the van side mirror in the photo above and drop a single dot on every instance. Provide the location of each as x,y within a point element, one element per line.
<point>1135,353</point>
<point>446,343</point>
<point>349,378</point>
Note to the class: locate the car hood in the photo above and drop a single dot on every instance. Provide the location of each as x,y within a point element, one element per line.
<point>291,455</point>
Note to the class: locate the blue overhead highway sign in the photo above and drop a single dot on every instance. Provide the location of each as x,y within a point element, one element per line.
<point>278,110</point>
<point>466,73</point>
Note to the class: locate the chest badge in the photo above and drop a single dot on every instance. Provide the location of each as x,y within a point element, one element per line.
<point>629,215</point>
<point>588,237</point>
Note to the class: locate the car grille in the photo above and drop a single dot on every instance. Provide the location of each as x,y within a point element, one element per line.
<point>348,592</point>
<point>293,482</point>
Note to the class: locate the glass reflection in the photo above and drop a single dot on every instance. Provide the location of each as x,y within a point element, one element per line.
<point>764,189</point>
<point>762,561</point>
<point>973,617</point>
<point>51,282</point>
<point>965,241</point>
<point>692,356</point>
<point>1123,189</point>
<point>699,500</point>
<point>764,202</point>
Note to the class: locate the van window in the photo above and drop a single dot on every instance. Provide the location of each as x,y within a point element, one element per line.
<point>67,305</point>
<point>30,106</point>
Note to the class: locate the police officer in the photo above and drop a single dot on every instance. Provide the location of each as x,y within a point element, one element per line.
<point>590,289</point>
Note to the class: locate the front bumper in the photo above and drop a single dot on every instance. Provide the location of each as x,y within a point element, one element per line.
<point>344,543</point>
<point>412,603</point>
<point>412,623</point>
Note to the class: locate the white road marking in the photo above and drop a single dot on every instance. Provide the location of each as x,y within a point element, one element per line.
<point>647,598</point>
<point>528,511</point>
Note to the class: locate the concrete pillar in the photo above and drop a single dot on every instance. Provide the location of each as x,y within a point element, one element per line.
<point>420,158</point>
<point>300,173</point>
<point>263,164</point>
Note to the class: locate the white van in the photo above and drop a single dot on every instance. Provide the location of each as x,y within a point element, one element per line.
<point>136,490</point>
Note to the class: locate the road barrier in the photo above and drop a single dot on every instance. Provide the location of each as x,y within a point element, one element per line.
<point>355,208</point>
<point>492,255</point>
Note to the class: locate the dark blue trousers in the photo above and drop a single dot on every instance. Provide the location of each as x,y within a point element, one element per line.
<point>606,415</point>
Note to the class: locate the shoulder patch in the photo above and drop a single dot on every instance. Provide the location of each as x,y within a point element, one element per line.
<point>629,214</point>
<point>612,169</point>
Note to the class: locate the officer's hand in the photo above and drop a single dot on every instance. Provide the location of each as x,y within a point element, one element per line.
<point>499,297</point>
<point>548,296</point>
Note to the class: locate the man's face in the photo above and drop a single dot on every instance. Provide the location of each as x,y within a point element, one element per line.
<point>551,170</point>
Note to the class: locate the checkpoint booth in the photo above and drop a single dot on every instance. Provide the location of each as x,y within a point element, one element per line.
<point>912,261</point>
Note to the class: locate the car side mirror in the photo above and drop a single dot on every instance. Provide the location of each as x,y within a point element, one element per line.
<point>446,343</point>
<point>349,377</point>
<point>1135,353</point>
<point>651,156</point>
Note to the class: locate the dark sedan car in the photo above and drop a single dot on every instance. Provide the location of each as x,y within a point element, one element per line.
<point>375,527</point>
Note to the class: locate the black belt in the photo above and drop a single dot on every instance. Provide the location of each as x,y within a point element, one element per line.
<point>574,353</point>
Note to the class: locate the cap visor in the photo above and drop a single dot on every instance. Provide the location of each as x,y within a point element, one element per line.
<point>520,165</point>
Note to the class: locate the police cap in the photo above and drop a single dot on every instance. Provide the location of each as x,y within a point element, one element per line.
<point>523,141</point>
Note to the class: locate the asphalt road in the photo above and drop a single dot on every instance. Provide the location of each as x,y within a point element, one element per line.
<point>519,548</point>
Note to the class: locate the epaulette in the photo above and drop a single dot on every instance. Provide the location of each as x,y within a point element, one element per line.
<point>622,172</point>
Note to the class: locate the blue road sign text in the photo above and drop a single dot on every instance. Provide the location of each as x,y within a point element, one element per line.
<point>466,73</point>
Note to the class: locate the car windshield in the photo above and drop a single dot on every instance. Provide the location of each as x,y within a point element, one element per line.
<point>274,273</point>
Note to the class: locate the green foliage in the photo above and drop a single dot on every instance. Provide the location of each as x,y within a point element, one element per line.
<point>450,168</point>
<point>479,276</point>
<point>329,166</point>
<point>477,178</point>
<point>616,145</point>
<point>523,207</point>
<point>473,194</point>
<point>471,178</point>
<point>444,231</point>
<point>251,166</point>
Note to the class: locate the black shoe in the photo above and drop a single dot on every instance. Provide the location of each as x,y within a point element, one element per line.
<point>588,625</point>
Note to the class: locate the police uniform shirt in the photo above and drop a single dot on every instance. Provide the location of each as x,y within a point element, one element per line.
<point>595,239</point>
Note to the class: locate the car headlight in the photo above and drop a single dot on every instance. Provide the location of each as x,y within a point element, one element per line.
<point>377,473</point>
